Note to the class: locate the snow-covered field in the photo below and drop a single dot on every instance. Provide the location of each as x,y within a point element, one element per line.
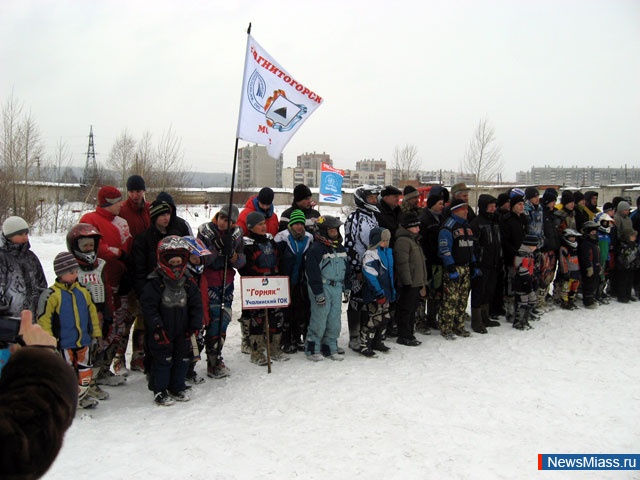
<point>481,407</point>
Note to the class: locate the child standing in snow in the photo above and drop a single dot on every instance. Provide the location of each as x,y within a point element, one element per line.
<point>568,269</point>
<point>524,286</point>
<point>378,292</point>
<point>172,310</point>
<point>626,262</point>
<point>67,312</point>
<point>328,276</point>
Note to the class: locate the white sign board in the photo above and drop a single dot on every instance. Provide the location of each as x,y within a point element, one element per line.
<point>265,292</point>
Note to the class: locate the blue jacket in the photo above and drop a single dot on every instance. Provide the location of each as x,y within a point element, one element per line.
<point>291,254</point>
<point>377,268</point>
<point>325,264</point>
<point>456,243</point>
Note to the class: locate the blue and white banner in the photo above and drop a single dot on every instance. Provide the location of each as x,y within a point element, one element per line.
<point>273,105</point>
<point>331,184</point>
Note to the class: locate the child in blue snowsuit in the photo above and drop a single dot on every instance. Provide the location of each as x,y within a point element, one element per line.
<point>378,292</point>
<point>328,276</point>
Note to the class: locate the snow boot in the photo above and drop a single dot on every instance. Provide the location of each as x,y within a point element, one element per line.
<point>476,320</point>
<point>137,355</point>
<point>120,365</point>
<point>163,399</point>
<point>258,346</point>
<point>244,332</point>
<point>486,320</point>
<point>276,352</point>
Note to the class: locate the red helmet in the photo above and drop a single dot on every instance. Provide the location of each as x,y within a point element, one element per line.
<point>171,247</point>
<point>83,230</point>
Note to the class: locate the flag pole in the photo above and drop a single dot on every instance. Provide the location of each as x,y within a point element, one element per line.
<point>225,254</point>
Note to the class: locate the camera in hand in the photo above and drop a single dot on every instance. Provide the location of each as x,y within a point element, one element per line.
<point>9,329</point>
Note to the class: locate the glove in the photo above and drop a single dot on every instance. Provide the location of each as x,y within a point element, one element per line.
<point>160,336</point>
<point>476,273</point>
<point>320,300</point>
<point>381,300</point>
<point>454,276</point>
<point>227,245</point>
<point>590,272</point>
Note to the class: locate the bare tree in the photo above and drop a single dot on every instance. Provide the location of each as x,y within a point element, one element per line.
<point>406,163</point>
<point>31,149</point>
<point>483,158</point>
<point>144,157</point>
<point>122,155</point>
<point>169,168</point>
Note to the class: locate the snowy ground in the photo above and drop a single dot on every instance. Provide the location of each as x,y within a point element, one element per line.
<point>481,407</point>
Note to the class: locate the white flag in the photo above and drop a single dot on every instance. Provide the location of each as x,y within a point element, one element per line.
<point>274,104</point>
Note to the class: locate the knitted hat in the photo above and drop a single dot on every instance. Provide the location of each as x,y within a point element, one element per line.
<point>516,199</point>
<point>410,192</point>
<point>108,196</point>
<point>516,192</point>
<point>409,219</point>
<point>502,199</point>
<point>607,206</point>
<point>530,240</point>
<point>456,204</point>
<point>548,197</point>
<point>135,182</point>
<point>14,226</point>
<point>578,196</point>
<point>63,263</point>
<point>439,190</point>
<point>253,219</point>
<point>567,197</point>
<point>265,196</point>
<point>459,187</point>
<point>300,192</point>
<point>484,201</point>
<point>224,212</point>
<point>157,208</point>
<point>531,192</point>
<point>433,199</point>
<point>297,216</point>
<point>622,206</point>
<point>390,190</point>
<point>378,235</point>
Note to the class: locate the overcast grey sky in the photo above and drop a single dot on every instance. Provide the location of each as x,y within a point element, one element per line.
<point>559,80</point>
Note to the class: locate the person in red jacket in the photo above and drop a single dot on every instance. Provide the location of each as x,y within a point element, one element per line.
<point>135,210</point>
<point>261,203</point>
<point>114,248</point>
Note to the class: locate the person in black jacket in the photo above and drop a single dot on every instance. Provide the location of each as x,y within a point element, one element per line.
<point>389,210</point>
<point>589,260</point>
<point>176,224</point>
<point>430,223</point>
<point>303,201</point>
<point>549,249</point>
<point>513,229</point>
<point>172,309</point>
<point>488,252</point>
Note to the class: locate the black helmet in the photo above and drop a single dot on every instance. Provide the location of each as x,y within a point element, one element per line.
<point>589,226</point>
<point>361,194</point>
<point>326,222</point>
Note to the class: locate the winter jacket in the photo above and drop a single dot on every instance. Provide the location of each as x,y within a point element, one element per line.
<point>115,242</point>
<point>535,222</point>
<point>488,241</point>
<point>408,259</point>
<point>388,218</point>
<point>550,226</point>
<point>291,252</point>
<point>456,243</point>
<point>524,265</point>
<point>591,210</point>
<point>357,227</point>
<point>582,216</point>
<point>513,229</point>
<point>604,244</point>
<point>176,224</point>
<point>377,269</point>
<point>624,226</point>
<point>212,237</point>
<point>174,306</point>
<point>137,216</point>
<point>252,205</point>
<point>144,255</point>
<point>430,224</point>
<point>311,215</point>
<point>262,256</point>
<point>38,400</point>
<point>22,278</point>
<point>68,313</point>
<point>568,263</point>
<point>589,255</point>
<point>567,218</point>
<point>327,264</point>
<point>627,256</point>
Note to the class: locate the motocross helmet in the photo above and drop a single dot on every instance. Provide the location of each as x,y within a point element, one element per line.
<point>360,196</point>
<point>171,247</point>
<point>77,232</point>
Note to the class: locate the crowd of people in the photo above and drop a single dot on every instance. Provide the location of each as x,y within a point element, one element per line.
<point>135,274</point>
